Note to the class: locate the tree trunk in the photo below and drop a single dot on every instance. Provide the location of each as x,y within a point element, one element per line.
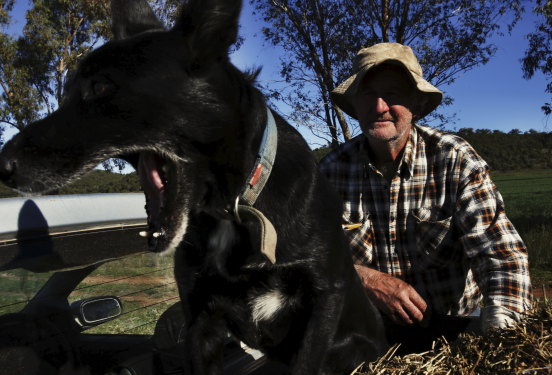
<point>342,123</point>
<point>385,20</point>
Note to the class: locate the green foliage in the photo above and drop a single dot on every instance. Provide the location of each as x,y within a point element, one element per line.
<point>35,66</point>
<point>513,150</point>
<point>166,10</point>
<point>538,56</point>
<point>19,101</point>
<point>16,98</point>
<point>320,39</point>
<point>5,8</point>
<point>319,153</point>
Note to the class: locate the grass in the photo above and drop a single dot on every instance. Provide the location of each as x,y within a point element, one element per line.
<point>527,196</point>
<point>145,285</point>
<point>18,287</point>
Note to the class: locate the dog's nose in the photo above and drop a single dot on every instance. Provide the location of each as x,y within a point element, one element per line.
<point>7,168</point>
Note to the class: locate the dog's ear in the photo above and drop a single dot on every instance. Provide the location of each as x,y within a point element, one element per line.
<point>131,17</point>
<point>211,26</point>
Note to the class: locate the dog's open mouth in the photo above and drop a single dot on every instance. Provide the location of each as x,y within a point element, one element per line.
<point>153,173</point>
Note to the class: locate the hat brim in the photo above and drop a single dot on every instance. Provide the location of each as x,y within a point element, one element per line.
<point>343,94</point>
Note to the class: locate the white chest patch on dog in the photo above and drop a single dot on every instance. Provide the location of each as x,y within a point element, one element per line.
<point>267,305</point>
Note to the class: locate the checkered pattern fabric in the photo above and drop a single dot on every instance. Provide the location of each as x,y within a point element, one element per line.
<point>440,224</point>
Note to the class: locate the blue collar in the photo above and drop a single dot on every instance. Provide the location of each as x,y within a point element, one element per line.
<point>263,164</point>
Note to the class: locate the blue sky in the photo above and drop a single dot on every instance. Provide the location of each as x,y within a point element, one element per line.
<point>493,96</point>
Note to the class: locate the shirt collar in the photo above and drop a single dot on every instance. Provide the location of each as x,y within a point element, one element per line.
<point>409,156</point>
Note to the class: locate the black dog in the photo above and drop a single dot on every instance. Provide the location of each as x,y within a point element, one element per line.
<point>202,140</point>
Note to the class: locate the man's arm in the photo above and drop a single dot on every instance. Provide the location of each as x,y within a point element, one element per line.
<point>498,255</point>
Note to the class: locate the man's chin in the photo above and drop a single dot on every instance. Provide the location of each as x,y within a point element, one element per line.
<point>381,135</point>
<point>384,131</point>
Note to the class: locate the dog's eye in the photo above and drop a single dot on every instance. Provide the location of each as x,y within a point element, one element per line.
<point>96,90</point>
<point>100,89</point>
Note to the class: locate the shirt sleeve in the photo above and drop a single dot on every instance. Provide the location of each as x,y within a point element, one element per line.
<point>498,255</point>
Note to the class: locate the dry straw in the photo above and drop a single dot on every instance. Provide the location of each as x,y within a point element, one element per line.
<point>525,349</point>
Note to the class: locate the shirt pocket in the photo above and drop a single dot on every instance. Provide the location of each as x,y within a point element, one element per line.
<point>434,235</point>
<point>360,235</point>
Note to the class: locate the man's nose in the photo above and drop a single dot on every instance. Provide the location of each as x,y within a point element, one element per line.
<point>381,105</point>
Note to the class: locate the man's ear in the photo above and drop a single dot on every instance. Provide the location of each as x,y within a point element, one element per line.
<point>131,17</point>
<point>211,26</point>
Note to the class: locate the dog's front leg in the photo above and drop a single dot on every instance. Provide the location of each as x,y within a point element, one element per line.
<point>319,333</point>
<point>205,345</point>
<point>204,334</point>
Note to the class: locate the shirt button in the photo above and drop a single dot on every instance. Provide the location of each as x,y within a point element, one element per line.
<point>392,218</point>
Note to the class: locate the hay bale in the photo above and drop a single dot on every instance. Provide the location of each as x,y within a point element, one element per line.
<point>525,349</point>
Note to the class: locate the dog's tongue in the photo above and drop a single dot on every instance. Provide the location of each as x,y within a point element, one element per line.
<point>150,173</point>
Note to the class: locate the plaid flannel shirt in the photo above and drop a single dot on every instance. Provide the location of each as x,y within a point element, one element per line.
<point>440,225</point>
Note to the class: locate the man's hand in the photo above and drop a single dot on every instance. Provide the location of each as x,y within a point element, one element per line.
<point>392,296</point>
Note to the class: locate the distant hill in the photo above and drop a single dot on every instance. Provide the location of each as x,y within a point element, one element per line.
<point>94,182</point>
<point>503,151</point>
<point>512,150</point>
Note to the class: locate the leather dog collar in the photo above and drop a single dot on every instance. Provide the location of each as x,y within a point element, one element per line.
<point>255,183</point>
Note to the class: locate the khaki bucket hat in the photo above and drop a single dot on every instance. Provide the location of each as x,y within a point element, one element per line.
<point>394,53</point>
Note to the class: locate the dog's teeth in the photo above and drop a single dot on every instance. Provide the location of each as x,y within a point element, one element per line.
<point>147,234</point>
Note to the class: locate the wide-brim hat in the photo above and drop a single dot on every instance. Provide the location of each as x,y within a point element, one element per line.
<point>388,53</point>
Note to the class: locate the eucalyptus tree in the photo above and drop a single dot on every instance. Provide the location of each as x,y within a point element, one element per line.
<point>35,65</point>
<point>538,56</point>
<point>321,37</point>
<point>17,106</point>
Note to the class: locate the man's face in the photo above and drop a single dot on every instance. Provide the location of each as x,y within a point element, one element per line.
<point>383,104</point>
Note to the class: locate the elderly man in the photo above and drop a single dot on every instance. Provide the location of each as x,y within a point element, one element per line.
<point>427,227</point>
